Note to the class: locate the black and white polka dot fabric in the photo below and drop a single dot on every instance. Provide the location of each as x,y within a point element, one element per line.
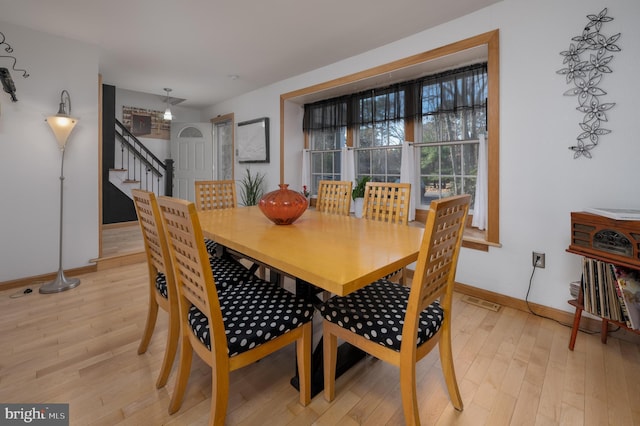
<point>161,285</point>
<point>377,312</point>
<point>212,247</point>
<point>226,272</point>
<point>253,313</point>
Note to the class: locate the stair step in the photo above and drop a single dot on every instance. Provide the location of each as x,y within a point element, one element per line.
<point>130,181</point>
<point>117,170</point>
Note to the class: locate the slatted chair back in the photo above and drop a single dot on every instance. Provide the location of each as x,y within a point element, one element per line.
<point>334,196</point>
<point>435,273</point>
<point>155,242</point>
<point>162,289</point>
<point>215,194</point>
<point>190,262</point>
<point>387,202</point>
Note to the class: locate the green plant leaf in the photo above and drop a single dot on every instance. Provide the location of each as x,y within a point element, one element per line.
<point>251,188</point>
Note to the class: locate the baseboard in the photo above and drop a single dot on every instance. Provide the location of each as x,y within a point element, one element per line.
<point>120,260</point>
<point>22,282</point>
<point>519,304</point>
<point>563,317</point>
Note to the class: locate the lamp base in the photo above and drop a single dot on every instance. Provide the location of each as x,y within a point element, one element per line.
<point>61,283</point>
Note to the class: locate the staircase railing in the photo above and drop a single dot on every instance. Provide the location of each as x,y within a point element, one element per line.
<point>141,164</point>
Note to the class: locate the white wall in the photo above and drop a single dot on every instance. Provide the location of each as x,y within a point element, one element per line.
<point>30,160</point>
<point>540,182</point>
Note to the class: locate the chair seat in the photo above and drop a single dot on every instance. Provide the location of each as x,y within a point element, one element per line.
<point>161,285</point>
<point>229,272</point>
<point>376,312</point>
<point>226,272</point>
<point>253,313</point>
<point>212,247</point>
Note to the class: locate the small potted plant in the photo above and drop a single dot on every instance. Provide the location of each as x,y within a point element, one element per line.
<point>358,194</point>
<point>251,188</point>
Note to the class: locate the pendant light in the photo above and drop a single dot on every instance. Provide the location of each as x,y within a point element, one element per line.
<point>167,112</point>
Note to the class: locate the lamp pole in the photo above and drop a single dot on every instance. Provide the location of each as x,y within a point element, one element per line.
<point>62,125</point>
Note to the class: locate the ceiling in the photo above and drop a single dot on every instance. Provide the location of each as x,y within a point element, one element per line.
<point>211,50</point>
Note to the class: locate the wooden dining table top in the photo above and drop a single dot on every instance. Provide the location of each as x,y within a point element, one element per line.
<point>337,253</point>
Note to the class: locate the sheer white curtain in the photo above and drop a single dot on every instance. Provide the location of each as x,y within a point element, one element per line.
<point>348,167</point>
<point>480,207</point>
<point>306,166</point>
<point>408,175</point>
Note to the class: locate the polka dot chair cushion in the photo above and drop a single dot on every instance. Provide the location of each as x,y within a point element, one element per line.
<point>376,312</point>
<point>226,272</point>
<point>212,247</point>
<point>253,313</point>
<point>161,285</point>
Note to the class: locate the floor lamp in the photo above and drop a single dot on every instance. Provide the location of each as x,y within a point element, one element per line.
<point>62,124</point>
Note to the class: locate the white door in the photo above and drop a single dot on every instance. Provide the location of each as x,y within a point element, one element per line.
<point>192,153</point>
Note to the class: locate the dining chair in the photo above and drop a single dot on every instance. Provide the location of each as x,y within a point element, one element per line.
<point>401,325</point>
<point>231,328</point>
<point>215,195</point>
<point>334,196</point>
<point>162,289</point>
<point>388,202</point>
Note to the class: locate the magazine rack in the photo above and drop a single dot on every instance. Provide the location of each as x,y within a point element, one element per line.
<point>601,238</point>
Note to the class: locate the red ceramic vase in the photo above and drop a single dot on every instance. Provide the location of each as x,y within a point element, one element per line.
<point>283,206</point>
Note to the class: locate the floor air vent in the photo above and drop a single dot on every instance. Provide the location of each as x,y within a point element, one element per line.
<point>481,303</point>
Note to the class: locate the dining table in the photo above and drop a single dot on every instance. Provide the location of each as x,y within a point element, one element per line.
<point>335,253</point>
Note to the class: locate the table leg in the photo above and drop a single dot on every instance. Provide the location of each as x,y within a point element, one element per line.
<point>348,355</point>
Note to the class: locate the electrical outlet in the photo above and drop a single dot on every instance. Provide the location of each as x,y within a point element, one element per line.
<point>538,260</point>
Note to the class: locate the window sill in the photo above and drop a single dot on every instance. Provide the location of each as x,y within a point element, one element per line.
<point>473,238</point>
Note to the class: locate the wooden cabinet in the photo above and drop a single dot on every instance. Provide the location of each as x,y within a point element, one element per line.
<point>608,240</point>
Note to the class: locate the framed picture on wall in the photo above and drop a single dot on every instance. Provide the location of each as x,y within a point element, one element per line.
<point>146,123</point>
<point>253,141</point>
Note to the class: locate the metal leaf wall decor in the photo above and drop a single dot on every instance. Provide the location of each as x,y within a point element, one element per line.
<point>585,73</point>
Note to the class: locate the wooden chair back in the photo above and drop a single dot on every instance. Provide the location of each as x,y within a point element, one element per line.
<point>193,276</point>
<point>155,243</point>
<point>435,272</point>
<point>158,262</point>
<point>334,196</point>
<point>387,202</point>
<point>215,194</point>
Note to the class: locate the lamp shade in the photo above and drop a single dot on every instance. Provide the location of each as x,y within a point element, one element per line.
<point>62,125</point>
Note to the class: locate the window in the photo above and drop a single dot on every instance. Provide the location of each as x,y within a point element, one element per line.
<point>486,45</point>
<point>326,125</point>
<point>448,110</point>
<point>379,125</point>
<point>452,118</point>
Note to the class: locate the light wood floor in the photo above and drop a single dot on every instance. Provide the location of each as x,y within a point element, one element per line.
<point>79,347</point>
<point>122,239</point>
